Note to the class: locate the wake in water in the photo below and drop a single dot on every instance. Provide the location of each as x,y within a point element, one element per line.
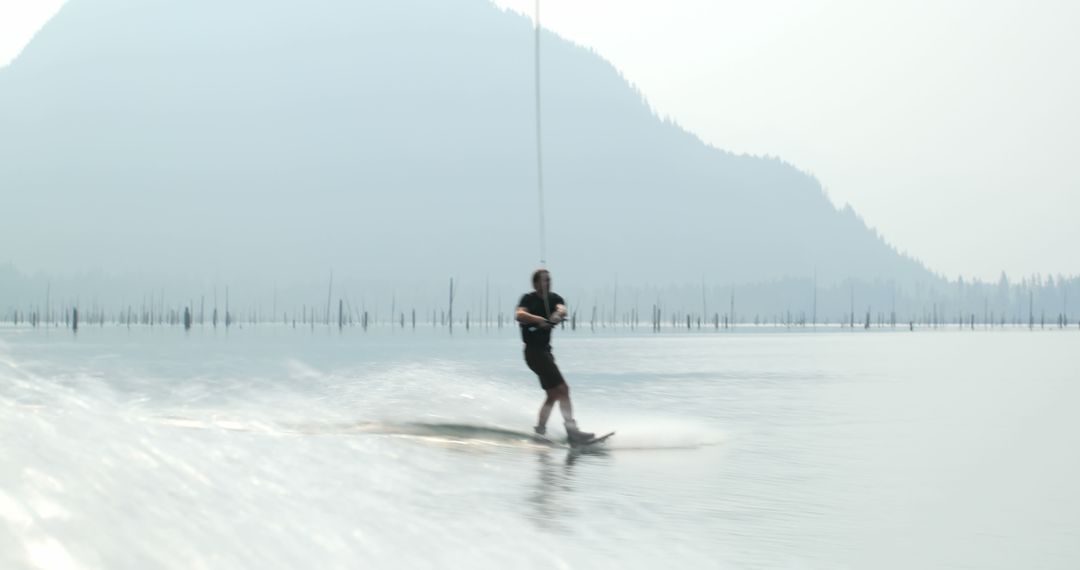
<point>280,464</point>
<point>442,403</point>
<point>464,434</point>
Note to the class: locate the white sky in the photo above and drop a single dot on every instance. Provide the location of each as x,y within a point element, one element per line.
<point>952,127</point>
<point>19,21</point>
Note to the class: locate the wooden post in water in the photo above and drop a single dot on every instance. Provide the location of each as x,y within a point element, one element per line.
<point>75,319</point>
<point>852,313</point>
<point>1031,310</point>
<point>615,302</point>
<point>329,293</point>
<point>450,314</point>
<point>731,315</point>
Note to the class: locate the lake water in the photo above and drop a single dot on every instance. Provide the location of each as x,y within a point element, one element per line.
<point>274,447</point>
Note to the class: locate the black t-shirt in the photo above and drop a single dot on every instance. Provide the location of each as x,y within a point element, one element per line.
<point>534,304</point>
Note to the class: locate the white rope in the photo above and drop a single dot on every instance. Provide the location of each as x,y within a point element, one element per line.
<point>540,165</point>
<point>539,146</point>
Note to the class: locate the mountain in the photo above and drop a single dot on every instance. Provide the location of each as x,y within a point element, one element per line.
<point>274,140</point>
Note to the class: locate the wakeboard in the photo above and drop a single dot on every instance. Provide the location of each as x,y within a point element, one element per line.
<point>543,439</point>
<point>594,441</point>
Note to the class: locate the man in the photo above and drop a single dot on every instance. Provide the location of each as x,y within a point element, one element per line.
<point>537,313</point>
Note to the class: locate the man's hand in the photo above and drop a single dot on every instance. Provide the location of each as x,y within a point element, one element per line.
<point>560,314</point>
<point>528,318</point>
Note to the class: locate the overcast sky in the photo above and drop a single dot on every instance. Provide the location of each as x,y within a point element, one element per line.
<point>951,127</point>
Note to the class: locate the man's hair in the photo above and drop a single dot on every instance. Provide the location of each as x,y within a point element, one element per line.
<point>536,276</point>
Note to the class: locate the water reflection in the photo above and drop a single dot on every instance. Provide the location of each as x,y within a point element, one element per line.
<point>551,501</point>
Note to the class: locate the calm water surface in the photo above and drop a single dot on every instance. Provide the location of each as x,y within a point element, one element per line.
<point>274,447</point>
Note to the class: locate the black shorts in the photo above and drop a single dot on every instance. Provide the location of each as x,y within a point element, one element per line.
<point>542,362</point>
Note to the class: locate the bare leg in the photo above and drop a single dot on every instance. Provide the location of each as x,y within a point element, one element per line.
<point>560,394</point>
<point>545,409</point>
<point>565,406</point>
<point>567,409</point>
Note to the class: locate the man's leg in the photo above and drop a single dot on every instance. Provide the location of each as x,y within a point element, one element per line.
<point>560,394</point>
<point>544,366</point>
<point>545,409</point>
<point>567,409</point>
<point>563,395</point>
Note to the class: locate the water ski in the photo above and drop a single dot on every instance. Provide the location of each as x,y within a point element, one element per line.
<point>542,439</point>
<point>593,441</point>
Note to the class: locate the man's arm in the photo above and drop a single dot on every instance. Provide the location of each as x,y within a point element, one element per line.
<point>560,313</point>
<point>528,318</point>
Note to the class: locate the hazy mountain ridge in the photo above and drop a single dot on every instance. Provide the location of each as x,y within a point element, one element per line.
<point>262,140</point>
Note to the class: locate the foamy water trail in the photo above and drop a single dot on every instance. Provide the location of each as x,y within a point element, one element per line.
<point>277,470</point>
